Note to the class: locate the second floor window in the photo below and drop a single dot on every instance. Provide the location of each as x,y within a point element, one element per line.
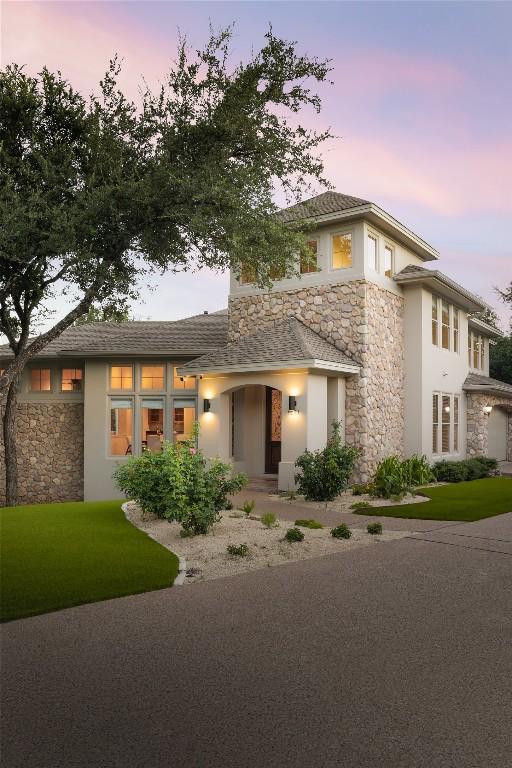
<point>40,380</point>
<point>476,351</point>
<point>121,377</point>
<point>388,261</point>
<point>373,258</point>
<point>152,377</point>
<point>341,251</point>
<point>183,382</point>
<point>445,325</point>
<point>71,380</point>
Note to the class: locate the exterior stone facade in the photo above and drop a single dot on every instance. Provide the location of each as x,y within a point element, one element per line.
<point>478,423</point>
<point>365,322</point>
<point>50,453</point>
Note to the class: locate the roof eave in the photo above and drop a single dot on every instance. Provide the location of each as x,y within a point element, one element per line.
<point>280,365</point>
<point>488,330</point>
<point>486,389</point>
<point>445,287</point>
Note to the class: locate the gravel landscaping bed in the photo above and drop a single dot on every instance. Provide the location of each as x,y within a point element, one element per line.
<point>207,558</point>
<point>343,502</point>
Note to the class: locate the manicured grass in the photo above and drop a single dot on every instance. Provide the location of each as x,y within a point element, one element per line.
<point>57,555</point>
<point>468,501</point>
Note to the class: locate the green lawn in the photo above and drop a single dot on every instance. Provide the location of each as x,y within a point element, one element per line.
<point>468,501</point>
<point>57,555</point>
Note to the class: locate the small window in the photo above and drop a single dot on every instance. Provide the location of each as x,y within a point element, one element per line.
<point>121,427</point>
<point>445,424</point>
<point>184,415</point>
<point>121,377</point>
<point>435,321</point>
<point>476,350</point>
<point>372,253</point>
<point>388,261</point>
<point>40,380</point>
<point>71,380</point>
<point>152,377</point>
<point>455,330</point>
<point>152,425</point>
<point>455,424</point>
<point>183,382</point>
<point>435,423</point>
<point>310,263</point>
<point>445,325</point>
<point>341,251</point>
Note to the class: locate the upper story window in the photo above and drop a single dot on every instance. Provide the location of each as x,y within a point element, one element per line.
<point>310,263</point>
<point>121,377</point>
<point>476,351</point>
<point>372,253</point>
<point>445,325</point>
<point>341,251</point>
<point>40,380</point>
<point>435,321</point>
<point>388,261</point>
<point>71,380</point>
<point>152,377</point>
<point>455,330</point>
<point>183,382</point>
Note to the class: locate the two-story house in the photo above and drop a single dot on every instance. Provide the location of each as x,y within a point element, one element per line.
<point>367,336</point>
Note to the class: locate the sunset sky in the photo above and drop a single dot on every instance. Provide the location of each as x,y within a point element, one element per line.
<point>421,102</point>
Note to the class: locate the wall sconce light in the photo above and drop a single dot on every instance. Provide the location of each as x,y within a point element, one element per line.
<point>487,409</point>
<point>292,404</point>
<point>207,405</point>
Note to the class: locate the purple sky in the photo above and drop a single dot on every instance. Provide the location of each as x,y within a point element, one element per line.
<point>421,103</point>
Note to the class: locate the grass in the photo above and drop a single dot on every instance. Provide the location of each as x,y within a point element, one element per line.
<point>469,501</point>
<point>55,556</point>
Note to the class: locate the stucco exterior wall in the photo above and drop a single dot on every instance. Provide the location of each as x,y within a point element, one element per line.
<point>478,423</point>
<point>50,441</point>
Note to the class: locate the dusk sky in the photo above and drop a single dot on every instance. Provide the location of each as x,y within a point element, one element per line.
<point>421,101</point>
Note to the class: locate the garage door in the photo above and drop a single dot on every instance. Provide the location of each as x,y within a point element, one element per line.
<point>498,434</point>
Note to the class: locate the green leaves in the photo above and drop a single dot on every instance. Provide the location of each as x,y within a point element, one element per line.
<point>325,474</point>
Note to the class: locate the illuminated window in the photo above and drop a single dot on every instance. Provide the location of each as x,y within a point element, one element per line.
<point>435,423</point>
<point>71,380</point>
<point>152,377</point>
<point>184,415</point>
<point>445,325</point>
<point>183,382</point>
<point>121,427</point>
<point>372,253</point>
<point>152,425</point>
<point>388,261</point>
<point>309,263</point>
<point>341,251</point>
<point>445,424</point>
<point>435,321</point>
<point>40,380</point>
<point>121,377</point>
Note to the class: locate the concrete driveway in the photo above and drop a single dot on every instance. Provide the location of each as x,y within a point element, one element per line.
<point>393,656</point>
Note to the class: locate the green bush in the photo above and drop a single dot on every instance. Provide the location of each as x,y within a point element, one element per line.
<point>342,531</point>
<point>294,534</point>
<point>417,471</point>
<point>269,520</point>
<point>374,528</point>
<point>469,469</point>
<point>360,505</point>
<point>313,524</point>
<point>179,484</point>
<point>394,478</point>
<point>325,474</point>
<point>240,550</point>
<point>359,488</point>
<point>248,507</point>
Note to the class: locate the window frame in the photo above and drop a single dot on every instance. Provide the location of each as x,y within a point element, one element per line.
<point>376,266</point>
<point>317,253</point>
<point>391,249</point>
<point>453,400</point>
<point>111,388</point>
<point>81,379</point>
<point>341,233</point>
<point>144,389</point>
<point>110,433</point>
<point>41,391</point>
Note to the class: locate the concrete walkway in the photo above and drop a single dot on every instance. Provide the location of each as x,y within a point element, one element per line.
<point>395,656</point>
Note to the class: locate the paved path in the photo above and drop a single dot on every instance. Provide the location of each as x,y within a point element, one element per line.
<point>396,656</point>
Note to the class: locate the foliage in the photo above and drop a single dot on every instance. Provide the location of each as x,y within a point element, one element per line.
<point>179,484</point>
<point>325,473</point>
<point>358,489</point>
<point>294,534</point>
<point>506,296</point>
<point>360,505</point>
<point>468,469</point>
<point>374,528</point>
<point>394,478</point>
<point>341,531</point>
<point>240,550</point>
<point>500,359</point>
<point>108,313</point>
<point>269,520</point>
<point>313,524</point>
<point>248,507</point>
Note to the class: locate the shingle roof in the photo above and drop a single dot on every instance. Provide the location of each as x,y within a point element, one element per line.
<point>327,202</point>
<point>414,273</point>
<point>285,341</point>
<point>475,382</point>
<point>191,336</point>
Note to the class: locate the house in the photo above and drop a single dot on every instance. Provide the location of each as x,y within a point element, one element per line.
<point>367,336</point>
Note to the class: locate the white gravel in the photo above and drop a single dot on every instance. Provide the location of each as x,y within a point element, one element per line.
<point>207,558</point>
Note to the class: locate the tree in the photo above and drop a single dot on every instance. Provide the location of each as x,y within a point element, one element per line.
<point>489,316</point>
<point>105,314</point>
<point>95,193</point>
<point>506,296</point>
<point>500,362</point>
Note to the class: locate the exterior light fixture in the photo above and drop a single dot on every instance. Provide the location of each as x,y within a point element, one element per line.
<point>447,409</point>
<point>292,404</point>
<point>487,409</point>
<point>207,405</point>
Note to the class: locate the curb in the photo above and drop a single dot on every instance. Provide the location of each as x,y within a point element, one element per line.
<point>179,581</point>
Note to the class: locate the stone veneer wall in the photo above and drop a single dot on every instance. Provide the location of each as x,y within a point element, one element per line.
<point>365,322</point>
<point>50,453</point>
<point>478,423</point>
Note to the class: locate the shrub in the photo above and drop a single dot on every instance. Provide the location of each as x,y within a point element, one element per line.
<point>294,534</point>
<point>469,469</point>
<point>359,488</point>
<point>342,531</point>
<point>240,550</point>
<point>391,478</point>
<point>313,524</point>
<point>269,520</point>
<point>417,471</point>
<point>374,528</point>
<point>360,505</point>
<point>179,484</point>
<point>325,474</point>
<point>248,507</point>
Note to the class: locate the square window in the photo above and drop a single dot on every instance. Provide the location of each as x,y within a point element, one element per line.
<point>121,377</point>
<point>372,253</point>
<point>152,377</point>
<point>40,380</point>
<point>71,380</point>
<point>341,251</point>
<point>310,263</point>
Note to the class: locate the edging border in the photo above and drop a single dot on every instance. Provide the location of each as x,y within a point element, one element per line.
<point>179,581</point>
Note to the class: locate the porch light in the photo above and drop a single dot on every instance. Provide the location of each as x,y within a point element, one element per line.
<point>292,404</point>
<point>487,409</point>
<point>207,405</point>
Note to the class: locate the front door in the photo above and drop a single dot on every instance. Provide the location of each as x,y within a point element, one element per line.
<point>273,430</point>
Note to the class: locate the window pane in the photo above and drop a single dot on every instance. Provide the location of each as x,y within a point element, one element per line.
<point>184,415</point>
<point>435,423</point>
<point>71,380</point>
<point>470,337</point>
<point>445,325</point>
<point>435,322</point>
<point>445,424</point>
<point>475,350</point>
<point>152,425</point>
<point>455,330</point>
<point>310,264</point>
<point>455,423</point>
<point>40,380</point>
<point>341,251</point>
<point>482,353</point>
<point>121,377</point>
<point>152,377</point>
<point>183,382</point>
<point>388,261</point>
<point>372,253</point>
<point>121,427</point>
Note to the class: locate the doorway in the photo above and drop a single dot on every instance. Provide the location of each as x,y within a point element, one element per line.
<point>273,415</point>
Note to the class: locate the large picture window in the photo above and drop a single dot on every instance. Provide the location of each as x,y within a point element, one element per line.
<point>40,380</point>
<point>341,251</point>
<point>184,415</point>
<point>121,427</point>
<point>121,377</point>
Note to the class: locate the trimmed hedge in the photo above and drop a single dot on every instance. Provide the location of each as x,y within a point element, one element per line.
<point>468,469</point>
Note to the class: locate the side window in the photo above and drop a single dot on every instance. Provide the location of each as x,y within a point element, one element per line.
<point>341,251</point>
<point>388,261</point>
<point>372,253</point>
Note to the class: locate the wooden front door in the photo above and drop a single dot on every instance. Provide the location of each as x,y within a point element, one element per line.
<point>273,430</point>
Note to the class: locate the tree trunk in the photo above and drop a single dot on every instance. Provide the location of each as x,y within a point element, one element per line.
<point>9,432</point>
